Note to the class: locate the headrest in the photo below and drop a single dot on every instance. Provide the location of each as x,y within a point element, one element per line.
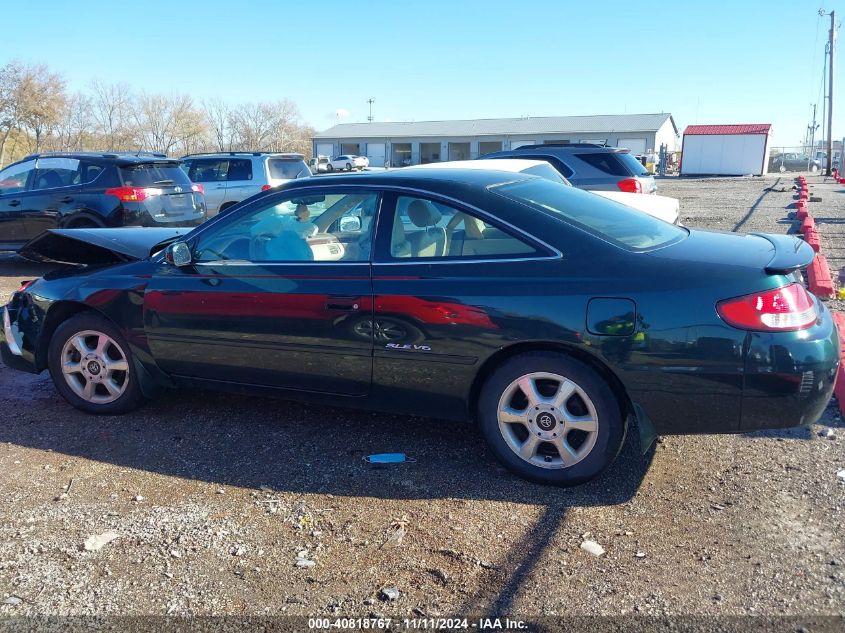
<point>423,215</point>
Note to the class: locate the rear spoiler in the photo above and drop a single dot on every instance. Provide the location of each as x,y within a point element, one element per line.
<point>791,253</point>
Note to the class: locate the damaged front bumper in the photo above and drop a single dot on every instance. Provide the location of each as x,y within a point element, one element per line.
<point>13,350</point>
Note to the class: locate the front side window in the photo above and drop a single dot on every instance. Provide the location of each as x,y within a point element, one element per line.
<point>13,179</point>
<point>425,229</point>
<point>616,223</point>
<point>302,227</point>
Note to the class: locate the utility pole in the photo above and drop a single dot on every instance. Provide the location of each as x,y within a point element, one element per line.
<point>370,101</point>
<point>813,131</point>
<point>832,44</point>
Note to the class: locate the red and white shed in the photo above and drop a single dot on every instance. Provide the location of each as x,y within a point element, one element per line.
<point>726,150</point>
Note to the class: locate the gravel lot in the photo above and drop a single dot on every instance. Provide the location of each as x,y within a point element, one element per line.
<point>214,498</point>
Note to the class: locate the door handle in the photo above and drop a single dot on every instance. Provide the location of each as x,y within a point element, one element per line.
<point>343,307</point>
<point>14,203</point>
<point>67,199</point>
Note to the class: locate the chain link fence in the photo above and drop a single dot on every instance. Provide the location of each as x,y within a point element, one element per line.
<point>799,158</point>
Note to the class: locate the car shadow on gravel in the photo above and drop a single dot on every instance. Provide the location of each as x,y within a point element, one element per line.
<point>302,448</point>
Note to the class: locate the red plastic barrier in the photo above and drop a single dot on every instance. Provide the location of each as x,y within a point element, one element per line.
<point>803,195</point>
<point>839,388</point>
<point>802,213</point>
<point>818,277</point>
<point>841,181</point>
<point>811,236</point>
<point>808,223</point>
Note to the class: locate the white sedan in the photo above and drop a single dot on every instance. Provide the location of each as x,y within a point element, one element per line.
<point>661,207</point>
<point>348,162</point>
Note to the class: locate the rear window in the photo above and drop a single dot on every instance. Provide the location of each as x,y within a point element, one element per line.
<point>615,163</point>
<point>286,168</point>
<point>620,225</point>
<point>152,174</point>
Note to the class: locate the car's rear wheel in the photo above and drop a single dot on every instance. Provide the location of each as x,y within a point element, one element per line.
<point>91,365</point>
<point>329,167</point>
<point>348,166</point>
<point>551,418</point>
<point>814,168</point>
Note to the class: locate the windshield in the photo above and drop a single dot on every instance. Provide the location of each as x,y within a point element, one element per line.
<point>154,174</point>
<point>286,169</point>
<point>620,225</point>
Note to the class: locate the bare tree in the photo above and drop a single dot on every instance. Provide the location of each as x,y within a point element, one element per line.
<point>44,98</point>
<point>218,116</point>
<point>12,103</point>
<point>73,131</point>
<point>167,122</point>
<point>111,111</point>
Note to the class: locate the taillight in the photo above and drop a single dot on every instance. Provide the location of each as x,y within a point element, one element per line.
<point>782,309</point>
<point>196,188</point>
<point>132,194</point>
<point>630,185</point>
<point>265,187</point>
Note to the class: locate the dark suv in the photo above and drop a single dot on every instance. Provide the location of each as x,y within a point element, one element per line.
<point>82,189</point>
<point>589,166</point>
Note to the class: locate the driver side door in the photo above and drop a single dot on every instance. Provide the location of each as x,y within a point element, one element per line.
<point>272,298</point>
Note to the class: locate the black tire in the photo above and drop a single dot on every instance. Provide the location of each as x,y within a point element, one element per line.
<point>610,428</point>
<point>348,166</point>
<point>131,396</point>
<point>329,167</point>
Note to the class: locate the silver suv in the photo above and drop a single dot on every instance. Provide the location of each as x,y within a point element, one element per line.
<point>229,177</point>
<point>589,166</point>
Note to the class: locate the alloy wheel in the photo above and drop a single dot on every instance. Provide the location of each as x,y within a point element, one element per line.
<point>95,367</point>
<point>548,420</point>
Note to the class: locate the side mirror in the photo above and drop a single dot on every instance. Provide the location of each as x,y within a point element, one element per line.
<point>178,254</point>
<point>350,224</point>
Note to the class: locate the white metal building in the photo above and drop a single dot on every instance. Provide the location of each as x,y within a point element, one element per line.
<point>726,150</point>
<point>416,142</point>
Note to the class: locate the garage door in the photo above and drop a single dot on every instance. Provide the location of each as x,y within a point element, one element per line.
<point>636,145</point>
<point>325,149</point>
<point>376,154</point>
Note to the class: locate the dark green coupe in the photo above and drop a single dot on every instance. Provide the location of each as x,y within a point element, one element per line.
<point>553,317</point>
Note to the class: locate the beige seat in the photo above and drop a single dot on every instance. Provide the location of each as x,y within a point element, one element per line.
<point>430,241</point>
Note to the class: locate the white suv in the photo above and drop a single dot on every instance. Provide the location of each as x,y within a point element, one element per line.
<point>229,177</point>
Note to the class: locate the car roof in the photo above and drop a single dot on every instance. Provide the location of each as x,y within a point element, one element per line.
<point>431,179</point>
<point>515,165</point>
<point>258,154</point>
<point>581,148</point>
<point>121,158</point>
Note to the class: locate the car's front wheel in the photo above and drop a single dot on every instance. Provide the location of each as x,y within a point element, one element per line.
<point>329,167</point>
<point>348,167</point>
<point>551,418</point>
<point>91,365</point>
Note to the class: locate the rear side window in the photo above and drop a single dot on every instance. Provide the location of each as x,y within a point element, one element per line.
<point>208,170</point>
<point>54,172</point>
<point>615,163</point>
<point>605,162</point>
<point>286,168</point>
<point>153,174</point>
<point>613,222</point>
<point>240,169</point>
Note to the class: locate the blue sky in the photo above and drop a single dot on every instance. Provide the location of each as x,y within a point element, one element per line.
<point>717,61</point>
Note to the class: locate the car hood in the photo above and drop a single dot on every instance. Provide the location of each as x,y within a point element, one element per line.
<point>99,246</point>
